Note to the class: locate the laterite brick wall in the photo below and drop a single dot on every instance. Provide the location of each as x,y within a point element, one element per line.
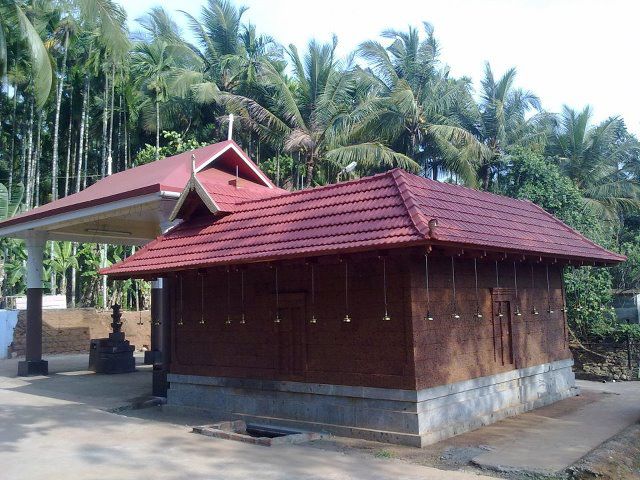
<point>368,351</point>
<point>449,350</point>
<point>69,330</point>
<point>406,352</point>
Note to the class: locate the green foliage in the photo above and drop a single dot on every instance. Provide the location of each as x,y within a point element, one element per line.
<point>588,290</point>
<point>176,143</point>
<point>279,169</point>
<point>627,274</point>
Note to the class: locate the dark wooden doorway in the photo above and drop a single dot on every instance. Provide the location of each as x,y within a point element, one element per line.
<point>291,336</point>
<point>503,331</point>
<point>504,328</point>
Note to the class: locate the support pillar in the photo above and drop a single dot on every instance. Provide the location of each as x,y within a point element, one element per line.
<point>33,363</point>
<point>160,384</point>
<point>154,355</point>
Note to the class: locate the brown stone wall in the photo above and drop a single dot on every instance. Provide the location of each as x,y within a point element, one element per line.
<point>69,330</point>
<point>368,351</point>
<point>406,352</point>
<point>450,349</point>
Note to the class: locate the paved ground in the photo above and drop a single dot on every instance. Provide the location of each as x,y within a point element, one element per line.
<point>547,439</point>
<point>57,427</point>
<point>561,435</point>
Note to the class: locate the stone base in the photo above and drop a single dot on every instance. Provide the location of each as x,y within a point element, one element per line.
<point>406,417</point>
<point>33,367</point>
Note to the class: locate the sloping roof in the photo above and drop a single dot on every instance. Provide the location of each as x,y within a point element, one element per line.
<point>167,175</point>
<point>383,211</point>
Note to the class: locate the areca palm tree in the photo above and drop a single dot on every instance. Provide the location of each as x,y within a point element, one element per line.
<point>598,162</point>
<point>151,64</point>
<point>412,108</point>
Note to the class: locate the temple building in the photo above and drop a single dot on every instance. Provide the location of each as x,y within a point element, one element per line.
<point>391,308</point>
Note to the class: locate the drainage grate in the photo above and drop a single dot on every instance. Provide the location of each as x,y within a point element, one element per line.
<point>266,435</point>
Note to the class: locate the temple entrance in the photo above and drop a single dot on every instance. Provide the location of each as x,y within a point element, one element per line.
<point>291,335</point>
<point>504,327</point>
<point>503,331</point>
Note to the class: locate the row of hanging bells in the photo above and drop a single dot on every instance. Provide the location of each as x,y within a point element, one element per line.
<point>385,317</point>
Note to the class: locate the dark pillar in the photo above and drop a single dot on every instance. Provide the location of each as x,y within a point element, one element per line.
<point>161,368</point>
<point>154,355</point>
<point>33,363</point>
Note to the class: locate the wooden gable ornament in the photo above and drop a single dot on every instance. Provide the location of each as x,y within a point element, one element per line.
<point>192,197</point>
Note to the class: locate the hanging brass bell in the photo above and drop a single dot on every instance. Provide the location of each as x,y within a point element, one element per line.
<point>518,312</point>
<point>456,315</point>
<point>277,319</point>
<point>428,317</point>
<point>347,318</point>
<point>478,314</point>
<point>313,320</point>
<point>535,311</point>
<point>550,311</point>
<point>180,322</point>
<point>201,322</point>
<point>386,317</point>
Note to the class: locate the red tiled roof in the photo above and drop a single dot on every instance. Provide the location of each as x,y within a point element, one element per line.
<point>383,211</point>
<point>169,174</point>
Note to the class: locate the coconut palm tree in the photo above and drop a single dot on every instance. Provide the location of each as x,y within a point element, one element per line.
<point>311,119</point>
<point>598,162</point>
<point>15,27</point>
<point>499,121</point>
<point>412,108</point>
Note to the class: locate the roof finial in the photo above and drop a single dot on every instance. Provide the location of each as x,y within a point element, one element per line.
<point>193,163</point>
<point>230,132</point>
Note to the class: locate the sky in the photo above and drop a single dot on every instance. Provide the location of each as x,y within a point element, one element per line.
<point>574,52</point>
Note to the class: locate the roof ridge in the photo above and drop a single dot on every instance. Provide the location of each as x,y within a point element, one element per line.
<point>409,201</point>
<point>323,187</point>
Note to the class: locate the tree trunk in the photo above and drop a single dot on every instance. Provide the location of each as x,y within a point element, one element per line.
<point>85,161</point>
<point>69,148</point>
<point>157,128</point>
<point>310,166</point>
<point>119,161</point>
<point>110,144</point>
<point>105,123</point>
<point>38,156</point>
<point>14,132</point>
<point>73,276</point>
<point>126,139</point>
<point>56,123</point>
<point>28,172</point>
<point>53,271</point>
<point>81,136</point>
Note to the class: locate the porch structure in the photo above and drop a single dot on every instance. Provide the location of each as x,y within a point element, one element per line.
<point>128,208</point>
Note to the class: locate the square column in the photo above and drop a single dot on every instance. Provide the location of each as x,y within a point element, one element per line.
<point>154,355</point>
<point>33,364</point>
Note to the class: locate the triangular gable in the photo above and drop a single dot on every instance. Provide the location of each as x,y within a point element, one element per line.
<point>193,194</point>
<point>246,167</point>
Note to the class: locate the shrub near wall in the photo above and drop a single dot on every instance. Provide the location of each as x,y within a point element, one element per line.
<point>70,330</point>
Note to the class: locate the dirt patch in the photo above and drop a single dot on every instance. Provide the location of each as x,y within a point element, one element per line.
<point>616,459</point>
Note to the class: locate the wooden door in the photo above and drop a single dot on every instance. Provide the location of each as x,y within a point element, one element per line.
<point>291,337</point>
<point>503,332</point>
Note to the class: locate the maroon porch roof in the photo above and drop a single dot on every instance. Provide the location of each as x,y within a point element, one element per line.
<point>383,211</point>
<point>167,175</point>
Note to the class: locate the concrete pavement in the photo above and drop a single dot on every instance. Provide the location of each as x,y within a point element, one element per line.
<point>550,439</point>
<point>57,427</point>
